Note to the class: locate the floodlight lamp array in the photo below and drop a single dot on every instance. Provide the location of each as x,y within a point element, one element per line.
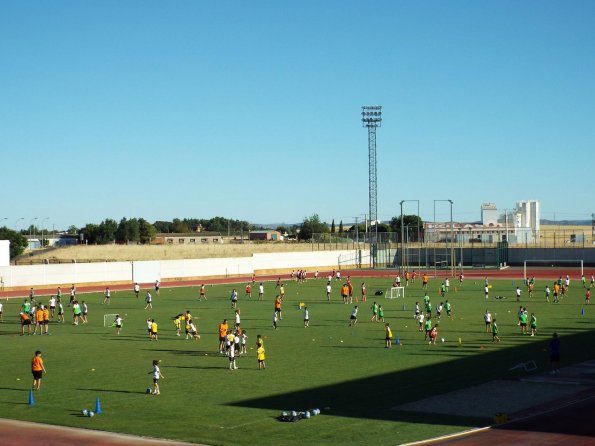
<point>371,115</point>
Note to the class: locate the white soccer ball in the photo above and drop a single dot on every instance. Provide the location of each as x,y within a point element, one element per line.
<point>91,413</point>
<point>442,339</point>
<point>85,412</point>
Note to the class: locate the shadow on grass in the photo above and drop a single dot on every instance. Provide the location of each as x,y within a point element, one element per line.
<point>376,397</point>
<point>13,388</point>
<point>110,390</point>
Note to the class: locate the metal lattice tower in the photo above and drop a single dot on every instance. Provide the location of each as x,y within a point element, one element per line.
<point>372,119</point>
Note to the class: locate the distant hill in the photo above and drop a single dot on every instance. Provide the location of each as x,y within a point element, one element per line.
<point>566,222</point>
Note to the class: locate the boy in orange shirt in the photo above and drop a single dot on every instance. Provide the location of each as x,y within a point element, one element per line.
<point>37,370</point>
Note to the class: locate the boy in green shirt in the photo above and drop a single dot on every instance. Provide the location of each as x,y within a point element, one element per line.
<point>495,337</point>
<point>533,324</point>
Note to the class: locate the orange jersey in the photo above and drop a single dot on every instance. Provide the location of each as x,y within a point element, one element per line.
<point>24,317</point>
<point>344,290</point>
<point>223,330</point>
<point>46,315</point>
<point>37,364</point>
<point>202,290</point>
<point>277,304</point>
<point>39,315</point>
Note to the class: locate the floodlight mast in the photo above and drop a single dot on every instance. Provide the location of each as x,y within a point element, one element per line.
<point>372,119</point>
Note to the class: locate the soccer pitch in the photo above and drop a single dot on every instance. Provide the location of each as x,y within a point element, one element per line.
<point>345,371</point>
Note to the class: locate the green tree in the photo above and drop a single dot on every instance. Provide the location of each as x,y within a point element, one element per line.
<point>411,223</point>
<point>341,227</point>
<point>310,226</point>
<point>163,226</point>
<point>146,231</point>
<point>18,242</point>
<point>90,233</point>
<point>72,230</point>
<point>180,226</point>
<point>107,231</point>
<point>333,226</point>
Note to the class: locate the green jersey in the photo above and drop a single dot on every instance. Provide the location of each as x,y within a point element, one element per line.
<point>447,306</point>
<point>374,308</point>
<point>494,328</point>
<point>428,324</point>
<point>426,299</point>
<point>533,322</point>
<point>523,318</point>
<point>380,312</point>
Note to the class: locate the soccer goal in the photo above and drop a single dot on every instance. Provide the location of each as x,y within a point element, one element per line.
<point>395,292</point>
<point>108,319</point>
<point>551,263</point>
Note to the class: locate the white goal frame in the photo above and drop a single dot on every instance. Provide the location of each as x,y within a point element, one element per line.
<point>550,262</point>
<point>108,319</point>
<point>395,292</point>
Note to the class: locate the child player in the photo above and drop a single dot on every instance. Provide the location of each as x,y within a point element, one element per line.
<point>156,372</point>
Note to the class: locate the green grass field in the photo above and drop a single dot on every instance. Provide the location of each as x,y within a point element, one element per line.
<point>329,365</point>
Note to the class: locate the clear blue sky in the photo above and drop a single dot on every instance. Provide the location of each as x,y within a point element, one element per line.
<point>251,109</point>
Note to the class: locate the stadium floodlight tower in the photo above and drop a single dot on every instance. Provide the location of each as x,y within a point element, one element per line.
<point>372,119</point>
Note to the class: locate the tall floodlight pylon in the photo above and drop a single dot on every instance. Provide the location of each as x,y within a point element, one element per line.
<point>372,119</point>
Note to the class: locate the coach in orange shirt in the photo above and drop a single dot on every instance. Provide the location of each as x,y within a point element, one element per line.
<point>223,326</point>
<point>37,369</point>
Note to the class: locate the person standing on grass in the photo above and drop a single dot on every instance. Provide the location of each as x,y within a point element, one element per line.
<point>37,369</point>
<point>203,293</point>
<point>118,323</point>
<point>76,311</point>
<point>374,309</point>
<point>433,334</point>
<point>428,326</point>
<point>364,297</point>
<point>234,298</point>
<point>275,320</point>
<point>588,296</point>
<point>353,317</point>
<point>46,320</point>
<point>60,311</point>
<point>344,293</point>
<point>156,372</point>
<point>380,313</point>
<point>328,291</point>
<point>38,320</point>
<point>486,291</point>
<point>157,287</point>
<point>1,307</point>
<point>85,311</point>
<point>518,294</point>
<point>248,291</point>
<point>424,281</point>
<point>278,307</point>
<point>59,293</point>
<point>533,324</point>
<point>448,309</point>
<point>243,340</point>
<point>388,335</point>
<point>237,317</point>
<point>495,337</point>
<point>487,318</point>
<point>261,291</point>
<point>222,335</point>
<point>136,289</point>
<point>282,290</point>
<point>306,317</point>
<point>107,295</point>
<point>52,304</point>
<point>72,295</point>
<point>149,301</point>
<point>554,347</point>
<point>25,322</point>
<point>524,321</point>
<point>260,356</point>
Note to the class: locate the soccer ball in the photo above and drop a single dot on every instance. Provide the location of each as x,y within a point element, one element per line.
<point>148,390</point>
<point>85,412</point>
<point>91,413</point>
<point>442,339</point>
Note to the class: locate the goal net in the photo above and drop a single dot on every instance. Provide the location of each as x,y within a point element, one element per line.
<point>395,292</point>
<point>108,319</point>
<point>541,264</point>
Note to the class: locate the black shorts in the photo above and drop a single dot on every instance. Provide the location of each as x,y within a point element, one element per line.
<point>52,308</point>
<point>155,380</point>
<point>352,318</point>
<point>523,324</point>
<point>118,326</point>
<point>37,374</point>
<point>27,322</point>
<point>221,338</point>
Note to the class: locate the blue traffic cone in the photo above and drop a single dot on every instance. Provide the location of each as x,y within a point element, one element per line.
<point>31,399</point>
<point>397,341</point>
<point>583,311</point>
<point>97,406</point>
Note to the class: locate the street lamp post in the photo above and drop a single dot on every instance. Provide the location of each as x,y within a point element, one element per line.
<point>31,228</point>
<point>402,232</point>
<point>16,222</point>
<point>451,234</point>
<point>5,218</point>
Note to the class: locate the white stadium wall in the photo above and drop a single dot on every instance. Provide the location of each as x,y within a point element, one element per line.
<point>149,271</point>
<point>4,252</point>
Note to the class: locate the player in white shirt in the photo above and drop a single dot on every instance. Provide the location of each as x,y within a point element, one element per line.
<point>306,317</point>
<point>136,289</point>
<point>487,317</point>
<point>118,322</point>
<point>1,307</point>
<point>149,301</point>
<point>328,291</point>
<point>156,372</point>
<point>421,318</point>
<point>353,317</point>
<point>260,291</point>
<point>237,318</point>
<point>107,295</point>
<point>52,304</point>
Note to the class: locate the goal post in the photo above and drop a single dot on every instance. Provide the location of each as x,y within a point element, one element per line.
<point>551,263</point>
<point>108,319</point>
<point>395,292</point>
